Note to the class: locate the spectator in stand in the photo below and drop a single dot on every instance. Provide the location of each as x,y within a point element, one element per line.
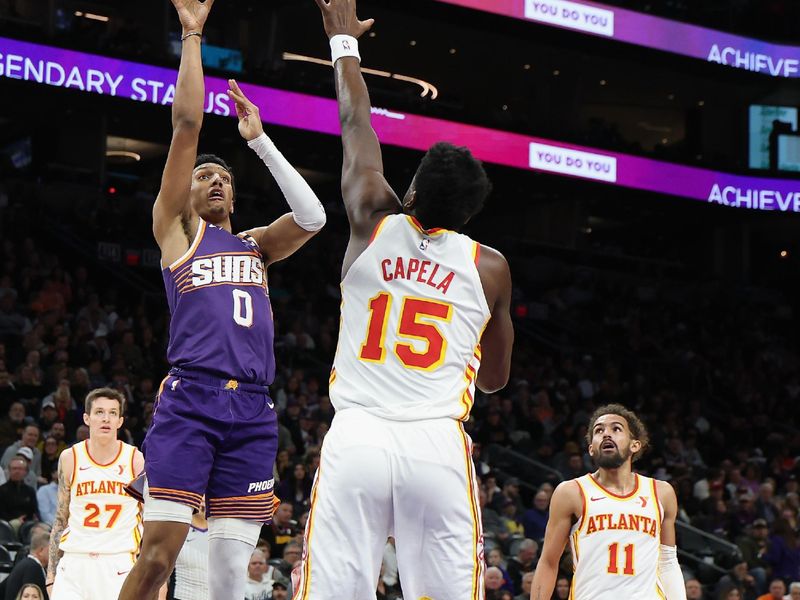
<point>794,591</point>
<point>495,558</point>
<point>534,520</point>
<point>17,499</point>
<point>292,553</point>
<point>749,584</point>
<point>29,439</point>
<point>733,593</point>
<point>527,580</point>
<point>753,544</point>
<point>47,497</point>
<point>574,466</point>
<point>766,506</point>
<point>783,552</point>
<point>694,590</point>
<point>508,513</point>
<point>12,425</point>
<point>30,478</point>
<point>745,512</point>
<point>494,526</point>
<point>282,529</point>
<point>8,391</point>
<point>493,581</point>
<point>279,591</point>
<point>510,492</point>
<point>50,454</point>
<point>31,569</point>
<point>259,582</point>
<point>296,488</point>
<point>493,430</point>
<point>777,590</point>
<point>523,562</point>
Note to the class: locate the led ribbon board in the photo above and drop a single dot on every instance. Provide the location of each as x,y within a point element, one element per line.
<point>651,32</point>
<point>156,85</point>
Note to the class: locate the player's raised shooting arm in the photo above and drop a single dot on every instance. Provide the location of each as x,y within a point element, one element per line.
<point>564,505</point>
<point>187,119</point>
<point>498,337</point>
<point>66,469</point>
<point>367,195</point>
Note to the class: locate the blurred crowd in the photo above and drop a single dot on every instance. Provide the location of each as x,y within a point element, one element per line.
<point>712,370</point>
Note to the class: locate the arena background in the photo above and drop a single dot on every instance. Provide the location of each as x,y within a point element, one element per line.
<point>681,305</point>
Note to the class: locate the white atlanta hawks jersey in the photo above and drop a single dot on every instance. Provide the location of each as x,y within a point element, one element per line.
<point>103,519</point>
<point>615,544</point>
<point>413,311</point>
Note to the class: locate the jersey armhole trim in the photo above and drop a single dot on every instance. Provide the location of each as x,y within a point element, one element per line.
<point>133,458</point>
<point>476,253</point>
<point>201,228</point>
<point>74,465</point>
<point>377,230</point>
<point>658,504</point>
<point>584,507</point>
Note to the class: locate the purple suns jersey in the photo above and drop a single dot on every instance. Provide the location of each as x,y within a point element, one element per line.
<point>221,315</point>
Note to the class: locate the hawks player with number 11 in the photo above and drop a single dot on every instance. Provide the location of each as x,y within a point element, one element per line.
<point>97,525</point>
<point>620,525</point>
<point>214,431</point>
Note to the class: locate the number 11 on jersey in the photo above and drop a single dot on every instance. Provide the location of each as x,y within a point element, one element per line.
<point>613,551</point>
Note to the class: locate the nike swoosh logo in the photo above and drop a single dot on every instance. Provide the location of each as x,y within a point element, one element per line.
<point>83,468</point>
<point>270,404</point>
<point>596,499</point>
<point>123,572</point>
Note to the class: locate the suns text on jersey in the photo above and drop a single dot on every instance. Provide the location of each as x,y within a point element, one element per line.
<point>421,271</point>
<point>227,269</point>
<point>100,487</point>
<point>621,521</point>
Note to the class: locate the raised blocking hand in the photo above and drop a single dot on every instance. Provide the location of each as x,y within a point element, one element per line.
<point>339,18</point>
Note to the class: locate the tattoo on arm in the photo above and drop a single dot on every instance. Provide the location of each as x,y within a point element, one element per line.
<point>59,523</point>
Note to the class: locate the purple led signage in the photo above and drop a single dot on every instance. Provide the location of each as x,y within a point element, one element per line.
<point>651,32</point>
<point>144,83</point>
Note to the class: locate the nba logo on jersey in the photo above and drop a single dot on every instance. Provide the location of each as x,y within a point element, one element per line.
<point>423,245</point>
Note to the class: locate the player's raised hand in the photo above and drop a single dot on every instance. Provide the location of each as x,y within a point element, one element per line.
<point>249,119</point>
<point>339,18</point>
<point>193,13</point>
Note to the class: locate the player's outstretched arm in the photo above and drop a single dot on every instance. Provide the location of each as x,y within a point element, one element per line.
<point>669,570</point>
<point>498,337</point>
<point>565,503</point>
<point>66,468</point>
<point>367,195</point>
<point>287,234</point>
<point>187,118</point>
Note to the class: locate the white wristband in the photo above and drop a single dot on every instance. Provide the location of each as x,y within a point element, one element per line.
<point>344,45</point>
<point>307,210</point>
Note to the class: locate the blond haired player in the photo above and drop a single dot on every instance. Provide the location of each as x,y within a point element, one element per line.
<point>620,525</point>
<point>425,318</point>
<point>97,527</point>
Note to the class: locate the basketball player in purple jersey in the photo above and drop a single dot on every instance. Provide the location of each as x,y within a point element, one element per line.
<point>214,431</point>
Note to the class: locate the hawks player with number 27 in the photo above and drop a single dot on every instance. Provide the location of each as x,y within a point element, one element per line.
<point>620,525</point>
<point>97,525</point>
